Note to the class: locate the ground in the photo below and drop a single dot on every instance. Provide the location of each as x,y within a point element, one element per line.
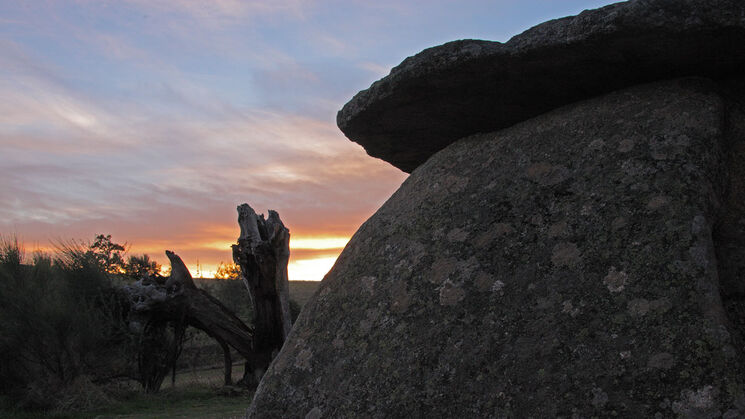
<point>197,393</point>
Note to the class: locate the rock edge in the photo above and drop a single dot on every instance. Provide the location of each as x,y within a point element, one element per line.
<point>469,86</point>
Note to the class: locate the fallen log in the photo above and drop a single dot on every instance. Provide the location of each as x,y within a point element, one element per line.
<point>262,252</point>
<point>177,301</point>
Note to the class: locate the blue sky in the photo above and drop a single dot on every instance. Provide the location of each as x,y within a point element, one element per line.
<point>151,120</point>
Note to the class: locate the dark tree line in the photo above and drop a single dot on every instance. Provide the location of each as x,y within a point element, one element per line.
<point>61,318</point>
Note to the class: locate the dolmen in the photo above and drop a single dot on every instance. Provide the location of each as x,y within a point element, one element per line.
<point>570,242</point>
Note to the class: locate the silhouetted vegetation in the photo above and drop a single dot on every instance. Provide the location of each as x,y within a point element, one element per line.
<point>62,326</point>
<point>139,266</point>
<point>107,253</point>
<point>228,271</point>
<point>65,338</point>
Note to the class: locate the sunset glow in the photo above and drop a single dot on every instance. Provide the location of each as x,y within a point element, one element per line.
<point>310,269</point>
<point>318,243</point>
<point>303,266</point>
<point>152,120</point>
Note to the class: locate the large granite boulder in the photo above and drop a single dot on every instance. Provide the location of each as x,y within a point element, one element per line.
<point>562,267</point>
<point>466,87</point>
<point>570,244</point>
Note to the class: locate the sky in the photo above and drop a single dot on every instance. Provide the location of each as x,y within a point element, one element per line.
<point>151,120</point>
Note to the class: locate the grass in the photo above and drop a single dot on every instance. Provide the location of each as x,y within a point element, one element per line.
<point>197,394</point>
<point>301,291</point>
<point>187,401</point>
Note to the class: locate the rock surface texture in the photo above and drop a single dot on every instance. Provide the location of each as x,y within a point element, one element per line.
<point>562,266</point>
<point>586,261</point>
<point>465,87</point>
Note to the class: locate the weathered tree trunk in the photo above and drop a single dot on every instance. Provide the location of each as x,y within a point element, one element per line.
<point>228,363</point>
<point>159,347</point>
<point>178,300</point>
<point>262,252</point>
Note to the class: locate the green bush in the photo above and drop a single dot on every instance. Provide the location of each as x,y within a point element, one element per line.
<point>60,319</point>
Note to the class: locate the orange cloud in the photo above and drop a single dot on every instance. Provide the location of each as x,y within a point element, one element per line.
<point>157,147</point>
<point>310,257</point>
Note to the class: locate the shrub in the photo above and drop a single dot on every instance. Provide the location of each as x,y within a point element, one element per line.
<point>60,319</point>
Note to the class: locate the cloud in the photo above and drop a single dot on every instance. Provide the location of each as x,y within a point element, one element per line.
<point>169,177</point>
<point>222,11</point>
<point>152,120</point>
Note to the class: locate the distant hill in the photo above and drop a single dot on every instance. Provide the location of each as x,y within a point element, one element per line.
<point>301,291</point>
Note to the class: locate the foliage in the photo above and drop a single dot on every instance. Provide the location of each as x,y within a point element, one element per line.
<point>64,334</point>
<point>228,271</point>
<point>110,257</point>
<point>141,266</point>
<point>60,319</point>
<point>108,254</point>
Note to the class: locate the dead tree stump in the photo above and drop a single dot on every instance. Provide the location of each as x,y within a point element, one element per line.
<point>262,253</point>
<point>156,303</point>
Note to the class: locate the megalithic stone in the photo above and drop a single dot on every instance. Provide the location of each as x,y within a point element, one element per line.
<point>564,266</point>
<point>470,86</point>
<point>571,240</point>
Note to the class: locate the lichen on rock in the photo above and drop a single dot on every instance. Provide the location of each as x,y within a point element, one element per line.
<point>588,312</point>
<point>570,243</point>
<point>469,86</point>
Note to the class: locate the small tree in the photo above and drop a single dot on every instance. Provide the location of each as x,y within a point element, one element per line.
<point>108,254</point>
<point>140,266</point>
<point>228,271</point>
